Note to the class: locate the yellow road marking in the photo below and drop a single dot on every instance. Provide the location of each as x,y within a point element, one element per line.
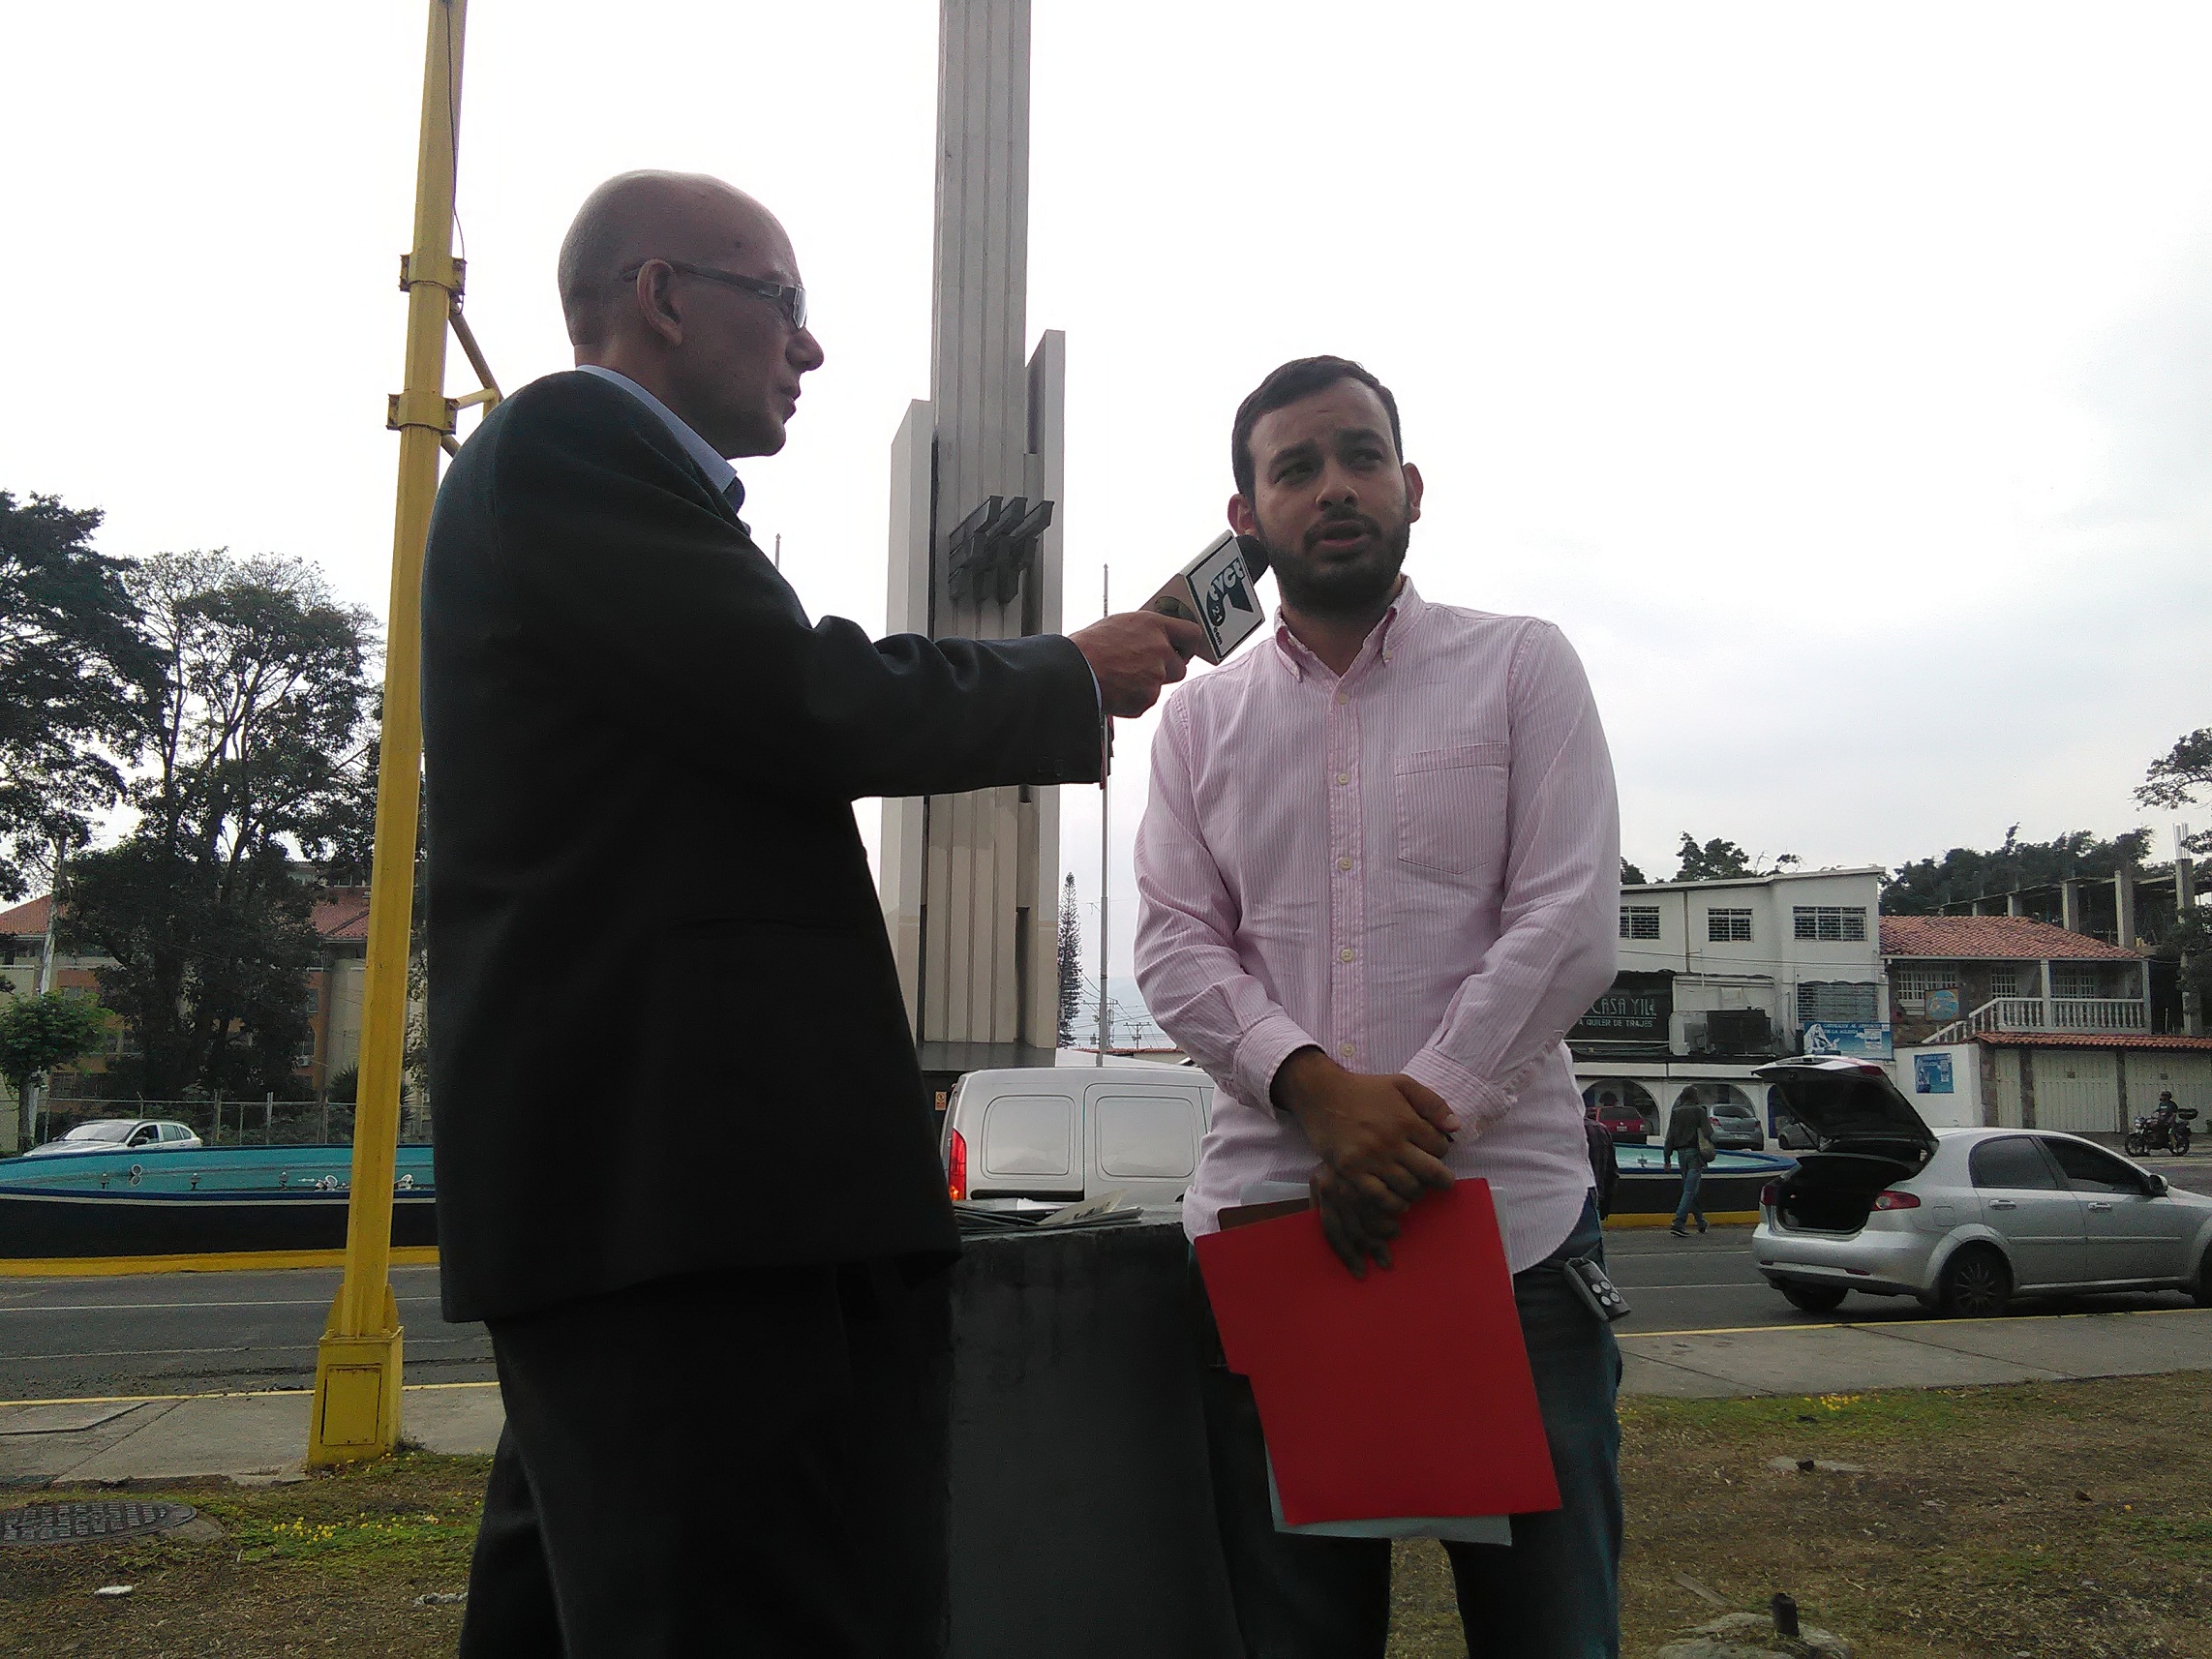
<point>218,1394</point>
<point>1897,1324</point>
<point>216,1262</point>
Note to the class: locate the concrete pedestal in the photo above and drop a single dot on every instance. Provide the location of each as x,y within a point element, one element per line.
<point>1083,1517</point>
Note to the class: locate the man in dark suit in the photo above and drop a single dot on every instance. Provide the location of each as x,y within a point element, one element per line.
<point>685,1167</point>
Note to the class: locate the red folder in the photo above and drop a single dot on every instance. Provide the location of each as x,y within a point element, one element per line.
<point>1405,1393</point>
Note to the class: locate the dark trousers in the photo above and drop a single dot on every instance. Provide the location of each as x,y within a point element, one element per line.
<point>1554,1594</point>
<point>750,1461</point>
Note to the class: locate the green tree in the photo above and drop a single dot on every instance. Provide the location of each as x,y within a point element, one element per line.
<point>1631,876</point>
<point>37,1034</point>
<point>73,662</point>
<point>1715,861</point>
<point>1924,886</point>
<point>1071,961</point>
<point>257,726</point>
<point>1719,860</point>
<point>2179,777</point>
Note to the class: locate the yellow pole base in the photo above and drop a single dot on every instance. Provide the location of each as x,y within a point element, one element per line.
<point>356,1393</point>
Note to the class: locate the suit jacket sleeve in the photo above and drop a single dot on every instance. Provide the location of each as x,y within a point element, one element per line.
<point>618,550</point>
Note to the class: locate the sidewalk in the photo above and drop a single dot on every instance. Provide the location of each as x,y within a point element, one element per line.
<point>257,1437</point>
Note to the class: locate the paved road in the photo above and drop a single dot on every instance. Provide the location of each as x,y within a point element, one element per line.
<point>191,1333</point>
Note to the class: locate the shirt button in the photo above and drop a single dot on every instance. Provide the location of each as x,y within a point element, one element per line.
<point>1343,864</point>
<point>1344,955</point>
<point>1344,697</point>
<point>1344,1049</point>
<point>1342,778</point>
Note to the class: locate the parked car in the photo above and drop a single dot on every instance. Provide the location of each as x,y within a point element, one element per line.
<point>1622,1122</point>
<point>1032,1135</point>
<point>1735,1128</point>
<point>119,1134</point>
<point>1963,1219</point>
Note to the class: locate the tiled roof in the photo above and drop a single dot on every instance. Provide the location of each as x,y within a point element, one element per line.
<point>2089,1040</point>
<point>340,913</point>
<point>27,919</point>
<point>1994,938</point>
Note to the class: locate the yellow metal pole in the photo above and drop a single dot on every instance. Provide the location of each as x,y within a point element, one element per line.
<point>357,1366</point>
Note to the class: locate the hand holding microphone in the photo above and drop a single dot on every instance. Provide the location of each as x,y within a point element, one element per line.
<point>1135,654</point>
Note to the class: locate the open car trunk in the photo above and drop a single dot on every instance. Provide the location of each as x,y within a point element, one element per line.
<point>1867,1137</point>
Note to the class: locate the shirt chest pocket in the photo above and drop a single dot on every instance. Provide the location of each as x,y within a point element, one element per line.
<point>1450,808</point>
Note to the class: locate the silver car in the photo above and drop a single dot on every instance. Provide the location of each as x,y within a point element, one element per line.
<point>120,1134</point>
<point>1963,1218</point>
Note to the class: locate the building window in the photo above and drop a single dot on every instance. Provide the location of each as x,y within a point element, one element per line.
<point>2005,982</point>
<point>1913,985</point>
<point>1830,920</point>
<point>1639,922</point>
<point>1728,926</point>
<point>1820,1001</point>
<point>2065,981</point>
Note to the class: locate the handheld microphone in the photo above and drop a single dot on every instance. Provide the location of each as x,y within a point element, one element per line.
<point>1220,591</point>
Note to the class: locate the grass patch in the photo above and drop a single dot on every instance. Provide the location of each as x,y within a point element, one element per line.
<point>2061,1520</point>
<point>2065,1521</point>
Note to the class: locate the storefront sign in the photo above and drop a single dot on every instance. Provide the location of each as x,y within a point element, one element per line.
<point>1862,1040</point>
<point>1636,1010</point>
<point>1943,1004</point>
<point>1931,1074</point>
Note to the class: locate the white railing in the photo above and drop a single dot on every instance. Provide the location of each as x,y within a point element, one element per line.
<point>2048,1013</point>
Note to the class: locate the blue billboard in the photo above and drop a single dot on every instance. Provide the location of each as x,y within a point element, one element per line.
<point>1861,1040</point>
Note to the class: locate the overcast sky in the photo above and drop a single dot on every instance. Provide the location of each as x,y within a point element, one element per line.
<point>1841,379</point>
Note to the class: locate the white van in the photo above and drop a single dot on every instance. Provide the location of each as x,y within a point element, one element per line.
<point>1073,1132</point>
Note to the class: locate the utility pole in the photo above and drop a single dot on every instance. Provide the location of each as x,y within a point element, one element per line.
<point>29,1133</point>
<point>357,1363</point>
<point>1105,827</point>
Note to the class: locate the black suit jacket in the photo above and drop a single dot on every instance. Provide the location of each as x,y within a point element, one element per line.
<point>665,1028</point>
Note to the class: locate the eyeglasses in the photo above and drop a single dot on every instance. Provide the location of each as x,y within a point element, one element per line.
<point>791,300</point>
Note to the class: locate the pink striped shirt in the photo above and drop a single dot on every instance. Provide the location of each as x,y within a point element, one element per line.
<point>1415,867</point>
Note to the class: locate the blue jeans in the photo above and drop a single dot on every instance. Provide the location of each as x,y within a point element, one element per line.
<point>1554,1594</point>
<point>1693,1176</point>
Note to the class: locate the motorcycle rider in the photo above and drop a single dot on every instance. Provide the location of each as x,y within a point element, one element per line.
<point>2164,1116</point>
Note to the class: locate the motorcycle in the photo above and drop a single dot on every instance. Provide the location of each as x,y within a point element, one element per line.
<point>2156,1134</point>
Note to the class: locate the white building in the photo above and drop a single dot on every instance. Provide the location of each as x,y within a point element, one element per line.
<point>1716,978</point>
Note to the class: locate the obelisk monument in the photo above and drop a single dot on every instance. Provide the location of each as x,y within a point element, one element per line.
<point>970,883</point>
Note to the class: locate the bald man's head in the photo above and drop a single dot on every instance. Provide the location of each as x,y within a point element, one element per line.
<point>726,359</point>
<point>649,215</point>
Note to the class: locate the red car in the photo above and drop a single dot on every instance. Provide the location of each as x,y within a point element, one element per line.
<point>1621,1122</point>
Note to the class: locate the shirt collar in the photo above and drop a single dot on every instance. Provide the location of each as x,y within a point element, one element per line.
<point>1405,612</point>
<point>719,472</point>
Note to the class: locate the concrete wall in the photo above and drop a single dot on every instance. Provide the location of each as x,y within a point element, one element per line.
<point>1961,1107</point>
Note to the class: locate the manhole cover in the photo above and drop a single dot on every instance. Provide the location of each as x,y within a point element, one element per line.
<point>82,1522</point>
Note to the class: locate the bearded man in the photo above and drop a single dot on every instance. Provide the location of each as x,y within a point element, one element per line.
<point>1378,878</point>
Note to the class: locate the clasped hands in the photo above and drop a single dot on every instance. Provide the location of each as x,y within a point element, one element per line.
<point>1381,1142</point>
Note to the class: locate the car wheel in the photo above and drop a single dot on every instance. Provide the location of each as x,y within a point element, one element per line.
<point>1976,1284</point>
<point>1814,1298</point>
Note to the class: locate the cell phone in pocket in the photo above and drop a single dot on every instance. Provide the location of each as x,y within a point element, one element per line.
<point>1603,1297</point>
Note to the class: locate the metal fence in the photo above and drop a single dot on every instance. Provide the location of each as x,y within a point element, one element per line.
<point>219,1122</point>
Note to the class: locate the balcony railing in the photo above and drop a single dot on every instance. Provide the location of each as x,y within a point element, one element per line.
<point>2086,1015</point>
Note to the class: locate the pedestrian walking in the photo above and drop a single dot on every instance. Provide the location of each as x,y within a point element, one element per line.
<point>1689,1138</point>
